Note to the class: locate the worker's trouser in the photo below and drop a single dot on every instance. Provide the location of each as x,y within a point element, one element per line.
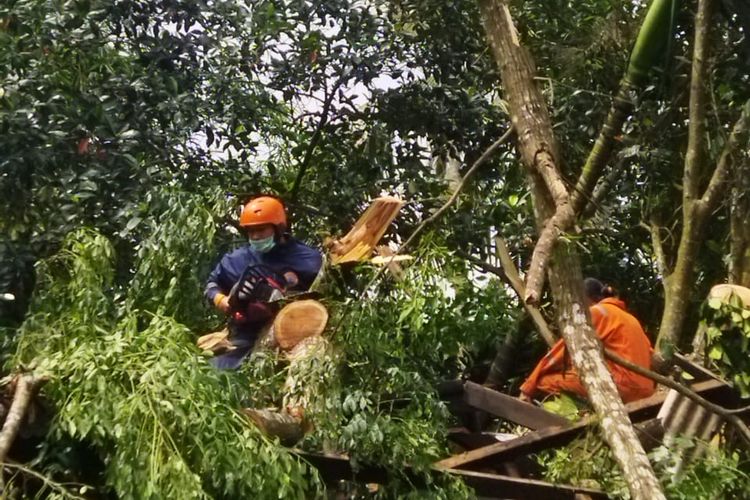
<point>242,337</point>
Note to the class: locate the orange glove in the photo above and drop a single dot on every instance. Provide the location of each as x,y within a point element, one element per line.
<point>221,302</point>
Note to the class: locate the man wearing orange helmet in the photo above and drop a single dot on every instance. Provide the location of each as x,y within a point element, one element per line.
<point>244,282</point>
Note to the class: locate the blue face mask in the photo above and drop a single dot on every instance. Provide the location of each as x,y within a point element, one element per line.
<point>263,245</point>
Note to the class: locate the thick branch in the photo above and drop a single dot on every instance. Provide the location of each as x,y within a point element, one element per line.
<point>716,185</point>
<point>600,154</point>
<point>556,225</point>
<point>658,244</point>
<point>25,386</point>
<point>697,115</point>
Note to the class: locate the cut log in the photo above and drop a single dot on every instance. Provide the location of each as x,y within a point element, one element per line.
<point>216,342</point>
<point>360,241</point>
<point>288,428</point>
<point>292,422</point>
<point>298,321</point>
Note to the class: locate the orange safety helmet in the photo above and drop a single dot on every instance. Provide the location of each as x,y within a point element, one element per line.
<point>264,210</point>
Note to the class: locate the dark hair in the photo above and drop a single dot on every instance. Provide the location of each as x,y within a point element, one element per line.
<point>596,290</point>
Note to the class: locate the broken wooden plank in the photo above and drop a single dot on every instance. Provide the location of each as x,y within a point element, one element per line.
<point>529,443</point>
<point>500,486</point>
<point>510,408</point>
<point>649,433</point>
<point>335,468</point>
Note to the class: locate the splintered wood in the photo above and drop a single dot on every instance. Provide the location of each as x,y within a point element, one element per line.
<point>361,240</point>
<point>299,320</point>
<point>216,342</point>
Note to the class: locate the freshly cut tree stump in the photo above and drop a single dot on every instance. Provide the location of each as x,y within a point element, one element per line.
<point>361,240</point>
<point>299,320</point>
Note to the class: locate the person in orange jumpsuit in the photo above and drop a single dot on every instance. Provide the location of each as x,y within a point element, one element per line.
<point>619,331</point>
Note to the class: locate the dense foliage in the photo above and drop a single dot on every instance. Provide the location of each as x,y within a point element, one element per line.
<point>716,473</point>
<point>131,131</point>
<point>726,327</point>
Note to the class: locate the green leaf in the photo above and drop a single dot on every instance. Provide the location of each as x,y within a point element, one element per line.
<point>716,352</point>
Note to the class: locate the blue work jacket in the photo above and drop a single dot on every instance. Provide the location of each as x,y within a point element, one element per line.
<point>290,256</point>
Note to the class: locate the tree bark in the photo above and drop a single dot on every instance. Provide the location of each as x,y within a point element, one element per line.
<point>697,206</point>
<point>304,383</point>
<point>739,213</point>
<point>25,386</point>
<point>539,153</point>
<point>695,215</point>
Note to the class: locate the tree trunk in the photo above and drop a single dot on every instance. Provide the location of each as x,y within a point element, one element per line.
<point>310,365</point>
<point>739,212</point>
<point>539,153</point>
<point>698,204</point>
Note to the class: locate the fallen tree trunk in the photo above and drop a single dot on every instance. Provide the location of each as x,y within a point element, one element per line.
<point>293,420</point>
<point>296,330</point>
<point>539,153</point>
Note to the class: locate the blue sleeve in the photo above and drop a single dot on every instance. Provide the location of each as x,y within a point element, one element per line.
<point>308,268</point>
<point>212,285</point>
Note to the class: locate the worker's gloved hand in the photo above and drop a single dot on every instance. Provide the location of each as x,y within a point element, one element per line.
<point>223,304</point>
<point>258,290</point>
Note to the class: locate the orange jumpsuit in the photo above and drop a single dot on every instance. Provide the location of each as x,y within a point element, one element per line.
<point>621,333</point>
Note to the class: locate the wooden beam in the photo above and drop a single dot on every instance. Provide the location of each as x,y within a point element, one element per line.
<point>699,372</point>
<point>528,443</point>
<point>335,468</point>
<point>552,437</point>
<point>510,408</point>
<point>498,486</point>
<point>649,434</point>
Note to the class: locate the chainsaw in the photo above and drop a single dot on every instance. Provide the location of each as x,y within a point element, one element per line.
<point>257,287</point>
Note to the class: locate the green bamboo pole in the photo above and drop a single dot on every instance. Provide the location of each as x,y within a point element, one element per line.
<point>655,33</point>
